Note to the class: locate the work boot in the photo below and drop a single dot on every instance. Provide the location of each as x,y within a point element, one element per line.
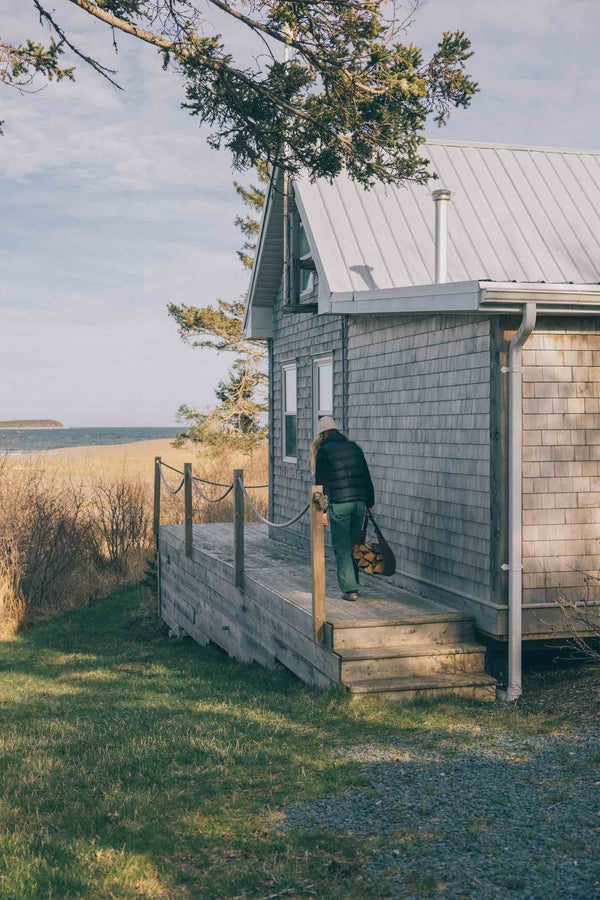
<point>350,595</point>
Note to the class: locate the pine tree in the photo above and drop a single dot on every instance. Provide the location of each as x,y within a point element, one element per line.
<point>237,419</point>
<point>317,87</point>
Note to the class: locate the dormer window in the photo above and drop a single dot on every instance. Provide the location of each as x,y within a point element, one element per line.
<point>305,263</point>
<point>303,279</point>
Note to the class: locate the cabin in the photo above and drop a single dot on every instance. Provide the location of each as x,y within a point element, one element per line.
<point>452,330</point>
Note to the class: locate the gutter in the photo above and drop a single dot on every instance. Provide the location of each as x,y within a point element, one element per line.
<point>515,501</point>
<point>484,297</point>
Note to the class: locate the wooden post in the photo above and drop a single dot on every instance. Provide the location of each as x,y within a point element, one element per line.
<point>238,526</point>
<point>156,524</point>
<point>187,492</point>
<point>317,556</point>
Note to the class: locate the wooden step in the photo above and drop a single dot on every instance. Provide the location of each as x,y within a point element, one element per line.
<point>363,664</point>
<point>428,687</point>
<point>364,634</point>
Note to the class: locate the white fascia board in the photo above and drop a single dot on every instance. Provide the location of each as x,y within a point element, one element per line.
<point>261,241</point>
<point>459,296</point>
<point>469,296</point>
<point>258,325</point>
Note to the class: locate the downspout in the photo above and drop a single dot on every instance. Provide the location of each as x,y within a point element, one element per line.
<point>515,501</point>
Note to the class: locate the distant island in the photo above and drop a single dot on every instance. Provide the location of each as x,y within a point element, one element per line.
<point>31,423</point>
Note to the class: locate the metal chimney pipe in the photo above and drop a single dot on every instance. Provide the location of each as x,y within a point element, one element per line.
<point>441,198</point>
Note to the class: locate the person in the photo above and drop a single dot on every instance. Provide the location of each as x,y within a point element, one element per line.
<point>341,468</point>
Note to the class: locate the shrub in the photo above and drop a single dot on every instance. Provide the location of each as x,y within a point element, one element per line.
<point>66,538</point>
<point>12,602</point>
<point>64,542</point>
<point>120,513</point>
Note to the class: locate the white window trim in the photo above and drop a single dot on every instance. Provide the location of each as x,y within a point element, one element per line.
<point>320,361</point>
<point>287,367</point>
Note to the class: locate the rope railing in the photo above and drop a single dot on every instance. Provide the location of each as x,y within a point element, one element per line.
<point>249,487</point>
<point>317,504</point>
<point>285,524</point>
<point>211,499</point>
<point>166,483</point>
<point>213,483</point>
<point>167,466</point>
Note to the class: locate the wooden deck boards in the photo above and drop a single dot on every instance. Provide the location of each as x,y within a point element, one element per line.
<point>286,571</point>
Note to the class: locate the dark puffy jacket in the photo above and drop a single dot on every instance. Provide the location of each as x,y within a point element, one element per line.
<point>343,471</point>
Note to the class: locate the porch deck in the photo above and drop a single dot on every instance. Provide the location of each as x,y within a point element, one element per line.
<point>389,641</point>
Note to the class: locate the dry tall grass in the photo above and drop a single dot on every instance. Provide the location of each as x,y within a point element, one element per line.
<point>64,542</point>
<point>73,528</point>
<point>218,468</point>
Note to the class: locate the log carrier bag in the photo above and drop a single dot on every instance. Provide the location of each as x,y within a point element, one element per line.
<point>373,558</point>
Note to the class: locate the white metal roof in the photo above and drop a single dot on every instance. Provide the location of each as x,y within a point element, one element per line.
<point>517,214</point>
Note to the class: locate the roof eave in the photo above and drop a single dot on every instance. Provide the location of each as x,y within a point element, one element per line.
<point>469,297</point>
<point>248,332</point>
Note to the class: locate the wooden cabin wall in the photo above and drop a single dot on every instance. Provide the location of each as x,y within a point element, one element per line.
<point>300,338</point>
<point>561,463</point>
<point>419,405</point>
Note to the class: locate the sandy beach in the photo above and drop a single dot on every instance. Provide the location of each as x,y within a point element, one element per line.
<point>137,460</point>
<point>108,460</point>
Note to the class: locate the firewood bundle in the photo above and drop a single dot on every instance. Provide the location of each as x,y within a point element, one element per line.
<point>368,558</point>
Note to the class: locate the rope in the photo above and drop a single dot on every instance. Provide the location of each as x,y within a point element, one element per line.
<point>250,487</point>
<point>179,472</point>
<point>274,524</point>
<point>166,483</point>
<point>211,499</point>
<point>214,483</point>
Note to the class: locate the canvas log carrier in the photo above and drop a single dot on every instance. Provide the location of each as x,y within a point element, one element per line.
<point>373,558</point>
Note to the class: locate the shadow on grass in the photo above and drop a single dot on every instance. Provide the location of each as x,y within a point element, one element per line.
<point>136,766</point>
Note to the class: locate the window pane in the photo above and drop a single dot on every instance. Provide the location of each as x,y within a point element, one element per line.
<point>306,280</point>
<point>304,245</point>
<point>325,395</point>
<point>290,436</point>
<point>289,377</point>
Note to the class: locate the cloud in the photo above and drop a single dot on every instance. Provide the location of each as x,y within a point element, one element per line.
<point>113,204</point>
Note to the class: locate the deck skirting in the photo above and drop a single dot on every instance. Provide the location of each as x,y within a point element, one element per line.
<point>253,624</point>
<point>389,641</point>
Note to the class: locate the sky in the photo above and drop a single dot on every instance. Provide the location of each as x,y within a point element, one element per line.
<point>113,205</point>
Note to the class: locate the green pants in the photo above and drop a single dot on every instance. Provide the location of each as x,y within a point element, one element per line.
<point>346,521</point>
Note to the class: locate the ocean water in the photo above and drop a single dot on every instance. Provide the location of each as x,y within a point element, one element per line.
<point>23,440</point>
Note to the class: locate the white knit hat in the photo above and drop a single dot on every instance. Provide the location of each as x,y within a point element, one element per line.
<point>327,424</point>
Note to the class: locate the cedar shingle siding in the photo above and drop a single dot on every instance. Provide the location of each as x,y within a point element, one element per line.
<point>300,338</point>
<point>561,460</point>
<point>419,405</point>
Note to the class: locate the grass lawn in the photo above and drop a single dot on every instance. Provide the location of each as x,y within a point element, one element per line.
<point>133,766</point>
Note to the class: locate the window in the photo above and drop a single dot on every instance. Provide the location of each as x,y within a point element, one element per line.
<point>290,410</point>
<point>305,263</point>
<point>322,389</point>
<point>302,275</point>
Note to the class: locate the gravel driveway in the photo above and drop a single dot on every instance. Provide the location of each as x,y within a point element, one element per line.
<point>475,814</point>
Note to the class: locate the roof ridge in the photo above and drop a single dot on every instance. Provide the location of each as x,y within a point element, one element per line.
<point>489,145</point>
